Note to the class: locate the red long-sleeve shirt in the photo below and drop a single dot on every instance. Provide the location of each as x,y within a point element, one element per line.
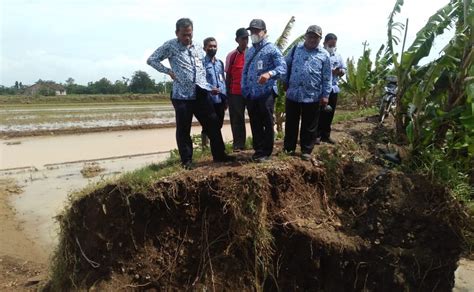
<point>234,66</point>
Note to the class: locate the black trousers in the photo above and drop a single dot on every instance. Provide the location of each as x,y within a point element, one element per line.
<point>309,115</point>
<point>237,105</point>
<point>203,109</point>
<point>219,108</point>
<point>261,122</point>
<point>325,118</point>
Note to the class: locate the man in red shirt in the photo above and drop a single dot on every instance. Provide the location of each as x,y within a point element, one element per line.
<point>233,68</point>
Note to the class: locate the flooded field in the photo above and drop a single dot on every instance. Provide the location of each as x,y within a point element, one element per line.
<point>45,192</point>
<point>48,169</point>
<point>56,118</point>
<point>22,120</point>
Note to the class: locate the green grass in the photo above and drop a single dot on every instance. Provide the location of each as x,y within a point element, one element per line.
<point>437,166</point>
<point>349,115</point>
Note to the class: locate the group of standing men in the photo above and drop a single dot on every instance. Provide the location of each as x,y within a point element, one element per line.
<point>204,87</point>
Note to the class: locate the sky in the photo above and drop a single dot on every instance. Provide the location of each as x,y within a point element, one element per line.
<point>91,39</point>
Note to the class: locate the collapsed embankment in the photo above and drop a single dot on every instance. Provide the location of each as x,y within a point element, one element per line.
<point>283,225</point>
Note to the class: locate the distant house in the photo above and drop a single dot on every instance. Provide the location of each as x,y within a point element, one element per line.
<point>45,88</point>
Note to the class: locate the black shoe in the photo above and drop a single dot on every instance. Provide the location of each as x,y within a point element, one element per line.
<point>260,159</point>
<point>225,158</point>
<point>237,150</point>
<point>306,156</point>
<point>393,157</point>
<point>328,140</point>
<point>289,152</point>
<point>188,165</point>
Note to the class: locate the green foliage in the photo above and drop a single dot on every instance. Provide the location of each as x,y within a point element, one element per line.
<point>142,83</point>
<point>46,92</point>
<point>435,101</point>
<point>408,71</point>
<point>438,95</point>
<point>365,80</point>
<point>432,162</point>
<point>340,116</point>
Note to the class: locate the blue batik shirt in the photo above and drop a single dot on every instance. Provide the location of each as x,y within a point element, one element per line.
<point>310,77</point>
<point>186,63</point>
<point>337,62</point>
<point>215,78</point>
<point>268,59</point>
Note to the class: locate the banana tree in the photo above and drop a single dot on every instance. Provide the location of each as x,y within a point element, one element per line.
<point>435,101</point>
<point>443,99</point>
<point>407,70</point>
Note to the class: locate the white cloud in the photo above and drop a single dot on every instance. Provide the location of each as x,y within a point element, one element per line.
<point>89,39</point>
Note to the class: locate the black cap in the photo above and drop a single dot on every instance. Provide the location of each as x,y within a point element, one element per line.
<point>258,24</point>
<point>241,32</point>
<point>315,29</point>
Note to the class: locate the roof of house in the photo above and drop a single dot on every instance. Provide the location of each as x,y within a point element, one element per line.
<point>47,84</point>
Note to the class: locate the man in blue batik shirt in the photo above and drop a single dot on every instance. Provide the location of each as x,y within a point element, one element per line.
<point>264,64</point>
<point>308,84</point>
<point>339,68</point>
<point>215,77</point>
<point>190,92</point>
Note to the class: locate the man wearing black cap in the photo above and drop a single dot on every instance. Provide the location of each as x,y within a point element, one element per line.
<point>234,66</point>
<point>308,83</point>
<point>264,64</point>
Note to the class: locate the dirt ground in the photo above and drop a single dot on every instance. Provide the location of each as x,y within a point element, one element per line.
<point>348,224</point>
<point>23,266</point>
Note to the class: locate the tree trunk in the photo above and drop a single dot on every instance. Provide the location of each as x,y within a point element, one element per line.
<point>400,124</point>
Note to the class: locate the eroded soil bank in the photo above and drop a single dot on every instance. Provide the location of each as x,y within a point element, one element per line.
<point>345,225</point>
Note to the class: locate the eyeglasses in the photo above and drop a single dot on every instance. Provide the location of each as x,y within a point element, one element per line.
<point>312,36</point>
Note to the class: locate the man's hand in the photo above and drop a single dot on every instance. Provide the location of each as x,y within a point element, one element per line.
<point>215,91</point>
<point>338,72</point>
<point>324,101</point>
<point>264,78</point>
<point>172,75</point>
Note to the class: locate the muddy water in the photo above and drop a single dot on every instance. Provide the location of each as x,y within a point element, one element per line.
<point>46,193</point>
<point>48,169</point>
<point>39,151</point>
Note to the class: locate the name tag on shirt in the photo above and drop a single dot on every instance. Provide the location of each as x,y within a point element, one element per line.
<point>260,65</point>
<point>198,61</point>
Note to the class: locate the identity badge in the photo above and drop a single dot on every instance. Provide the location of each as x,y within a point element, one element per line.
<point>198,61</point>
<point>260,65</point>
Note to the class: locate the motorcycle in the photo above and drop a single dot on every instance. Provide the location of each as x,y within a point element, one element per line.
<point>388,101</point>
